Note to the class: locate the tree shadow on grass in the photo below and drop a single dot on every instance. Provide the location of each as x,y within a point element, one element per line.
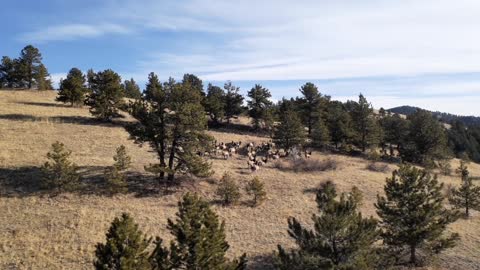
<point>46,104</point>
<point>78,120</point>
<point>261,262</point>
<point>26,181</point>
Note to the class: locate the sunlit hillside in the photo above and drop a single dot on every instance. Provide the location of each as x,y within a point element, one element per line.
<point>38,231</point>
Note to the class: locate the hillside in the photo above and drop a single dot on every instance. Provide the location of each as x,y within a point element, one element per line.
<point>442,116</point>
<point>42,232</point>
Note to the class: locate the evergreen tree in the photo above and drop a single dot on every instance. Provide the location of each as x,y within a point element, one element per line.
<point>106,94</point>
<point>125,248</point>
<point>467,196</point>
<point>364,122</point>
<point>215,103</point>
<point>115,175</point>
<point>339,124</point>
<point>228,190</point>
<point>290,132</point>
<point>195,84</point>
<point>73,89</point>
<point>256,188</point>
<point>172,120</point>
<point>412,213</point>
<point>312,105</point>
<point>426,140</point>
<point>90,77</point>
<point>395,131</point>
<point>30,61</point>
<point>464,139</point>
<point>341,238</point>
<point>131,89</point>
<point>199,240</point>
<point>8,73</point>
<point>42,78</point>
<point>59,172</point>
<point>233,101</point>
<point>320,134</point>
<point>258,104</point>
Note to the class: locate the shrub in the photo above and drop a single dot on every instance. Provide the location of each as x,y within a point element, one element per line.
<point>228,190</point>
<point>59,172</point>
<point>115,175</point>
<point>373,156</point>
<point>256,188</point>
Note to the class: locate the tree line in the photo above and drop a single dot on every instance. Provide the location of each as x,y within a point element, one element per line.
<point>311,120</point>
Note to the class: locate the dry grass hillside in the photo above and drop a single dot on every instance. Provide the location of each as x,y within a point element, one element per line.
<point>42,232</point>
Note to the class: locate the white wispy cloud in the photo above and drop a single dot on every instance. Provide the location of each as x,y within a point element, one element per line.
<point>301,40</point>
<point>72,32</point>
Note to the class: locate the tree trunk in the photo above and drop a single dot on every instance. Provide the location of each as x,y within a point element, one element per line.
<point>413,257</point>
<point>171,173</point>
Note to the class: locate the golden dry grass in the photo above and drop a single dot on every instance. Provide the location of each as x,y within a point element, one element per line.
<point>40,232</point>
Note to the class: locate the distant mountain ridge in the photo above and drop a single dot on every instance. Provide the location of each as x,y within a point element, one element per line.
<point>442,116</point>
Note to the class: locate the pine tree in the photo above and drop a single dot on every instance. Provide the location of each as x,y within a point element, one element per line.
<point>42,78</point>
<point>115,175</point>
<point>233,101</point>
<point>320,134</point>
<point>412,213</point>
<point>339,124</point>
<point>194,83</point>
<point>467,196</point>
<point>215,103</point>
<point>312,105</point>
<point>30,61</point>
<point>59,172</point>
<point>228,190</point>
<point>106,95</point>
<point>395,130</point>
<point>131,89</point>
<point>258,104</point>
<point>199,240</point>
<point>172,120</point>
<point>366,127</point>
<point>125,248</point>
<point>426,140</point>
<point>290,132</point>
<point>73,89</point>
<point>341,238</point>
<point>8,73</point>
<point>256,188</point>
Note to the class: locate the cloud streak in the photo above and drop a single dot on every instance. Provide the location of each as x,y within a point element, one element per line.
<point>73,32</point>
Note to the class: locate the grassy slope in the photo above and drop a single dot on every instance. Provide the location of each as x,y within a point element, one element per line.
<point>38,232</point>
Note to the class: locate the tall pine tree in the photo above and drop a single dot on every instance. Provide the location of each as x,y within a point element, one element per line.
<point>258,104</point>
<point>365,124</point>
<point>215,103</point>
<point>172,120</point>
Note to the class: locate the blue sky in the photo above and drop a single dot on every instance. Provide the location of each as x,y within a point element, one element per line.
<point>418,52</point>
